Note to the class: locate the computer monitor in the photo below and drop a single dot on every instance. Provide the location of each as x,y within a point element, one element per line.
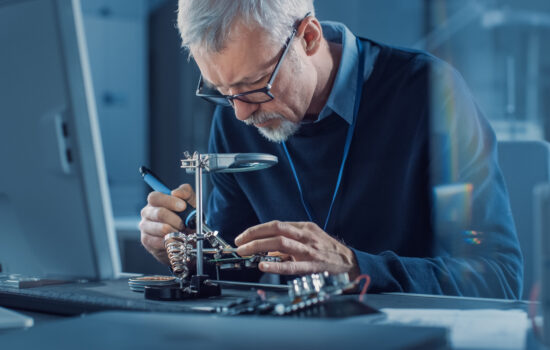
<point>55,211</point>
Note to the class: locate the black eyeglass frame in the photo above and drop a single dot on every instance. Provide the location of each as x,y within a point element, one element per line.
<point>227,100</point>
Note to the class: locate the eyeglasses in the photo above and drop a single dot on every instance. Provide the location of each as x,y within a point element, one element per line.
<point>256,96</point>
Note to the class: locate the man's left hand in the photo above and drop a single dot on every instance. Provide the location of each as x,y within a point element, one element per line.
<point>308,247</point>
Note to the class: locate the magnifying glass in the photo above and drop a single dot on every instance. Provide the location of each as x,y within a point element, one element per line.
<point>233,162</point>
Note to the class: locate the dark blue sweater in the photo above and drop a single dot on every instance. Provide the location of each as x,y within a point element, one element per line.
<point>417,127</point>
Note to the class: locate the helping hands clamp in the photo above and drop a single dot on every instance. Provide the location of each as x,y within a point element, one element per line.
<point>179,246</point>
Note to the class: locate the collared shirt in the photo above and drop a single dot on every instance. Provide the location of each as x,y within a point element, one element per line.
<point>344,91</point>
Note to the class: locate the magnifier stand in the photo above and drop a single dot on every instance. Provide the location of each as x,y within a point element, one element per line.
<point>179,246</point>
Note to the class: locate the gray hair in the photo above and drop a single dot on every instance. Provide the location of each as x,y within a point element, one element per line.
<point>208,24</point>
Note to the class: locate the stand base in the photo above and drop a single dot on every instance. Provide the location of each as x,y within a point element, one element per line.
<point>199,287</point>
<point>204,287</point>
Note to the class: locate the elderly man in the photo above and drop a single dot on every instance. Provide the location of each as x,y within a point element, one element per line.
<point>362,132</point>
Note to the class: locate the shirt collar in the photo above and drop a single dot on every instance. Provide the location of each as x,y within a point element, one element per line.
<point>344,90</point>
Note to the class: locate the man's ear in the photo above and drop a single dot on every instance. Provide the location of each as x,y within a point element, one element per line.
<point>311,34</point>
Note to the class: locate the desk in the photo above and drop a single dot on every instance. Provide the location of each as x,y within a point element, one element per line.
<point>160,329</point>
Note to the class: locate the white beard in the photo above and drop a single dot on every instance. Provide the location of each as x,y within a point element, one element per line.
<point>281,133</point>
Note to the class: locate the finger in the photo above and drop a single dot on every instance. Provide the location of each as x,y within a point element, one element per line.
<point>162,215</point>
<point>156,229</point>
<point>279,243</point>
<point>186,193</point>
<point>304,225</point>
<point>314,232</point>
<point>152,243</point>
<point>158,199</point>
<point>155,246</point>
<point>294,267</point>
<point>270,229</point>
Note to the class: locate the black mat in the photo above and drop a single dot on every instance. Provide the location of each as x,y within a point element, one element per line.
<point>78,298</point>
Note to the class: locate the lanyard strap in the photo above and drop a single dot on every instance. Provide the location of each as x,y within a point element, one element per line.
<point>349,137</point>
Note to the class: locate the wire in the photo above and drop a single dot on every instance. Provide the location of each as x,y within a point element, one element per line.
<point>365,286</point>
<point>261,294</point>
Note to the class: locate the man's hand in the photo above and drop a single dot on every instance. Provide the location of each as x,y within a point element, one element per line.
<point>308,247</point>
<point>158,218</point>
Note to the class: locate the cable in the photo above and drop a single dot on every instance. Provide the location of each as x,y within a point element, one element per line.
<point>261,294</point>
<point>365,286</point>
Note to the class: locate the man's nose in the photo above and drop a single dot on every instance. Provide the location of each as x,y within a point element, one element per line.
<point>243,110</point>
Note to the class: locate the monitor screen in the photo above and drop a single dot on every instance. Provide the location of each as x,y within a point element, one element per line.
<point>55,210</point>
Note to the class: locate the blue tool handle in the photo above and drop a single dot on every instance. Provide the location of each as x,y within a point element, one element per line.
<point>188,215</point>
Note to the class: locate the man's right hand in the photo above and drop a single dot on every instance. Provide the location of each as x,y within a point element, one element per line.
<point>159,218</point>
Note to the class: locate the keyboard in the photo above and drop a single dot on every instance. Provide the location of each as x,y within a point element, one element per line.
<point>79,298</point>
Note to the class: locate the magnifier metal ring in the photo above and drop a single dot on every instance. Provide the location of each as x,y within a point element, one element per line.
<point>235,162</point>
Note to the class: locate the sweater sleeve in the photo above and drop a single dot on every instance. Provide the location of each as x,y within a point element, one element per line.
<point>476,250</point>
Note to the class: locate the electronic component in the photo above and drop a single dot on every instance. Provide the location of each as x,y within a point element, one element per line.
<point>235,263</point>
<point>308,296</point>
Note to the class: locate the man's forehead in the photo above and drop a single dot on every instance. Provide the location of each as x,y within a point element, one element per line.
<point>247,54</point>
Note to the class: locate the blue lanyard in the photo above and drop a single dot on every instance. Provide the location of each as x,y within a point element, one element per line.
<point>349,137</point>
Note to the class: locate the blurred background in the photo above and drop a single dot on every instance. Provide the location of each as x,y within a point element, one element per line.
<point>144,84</point>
